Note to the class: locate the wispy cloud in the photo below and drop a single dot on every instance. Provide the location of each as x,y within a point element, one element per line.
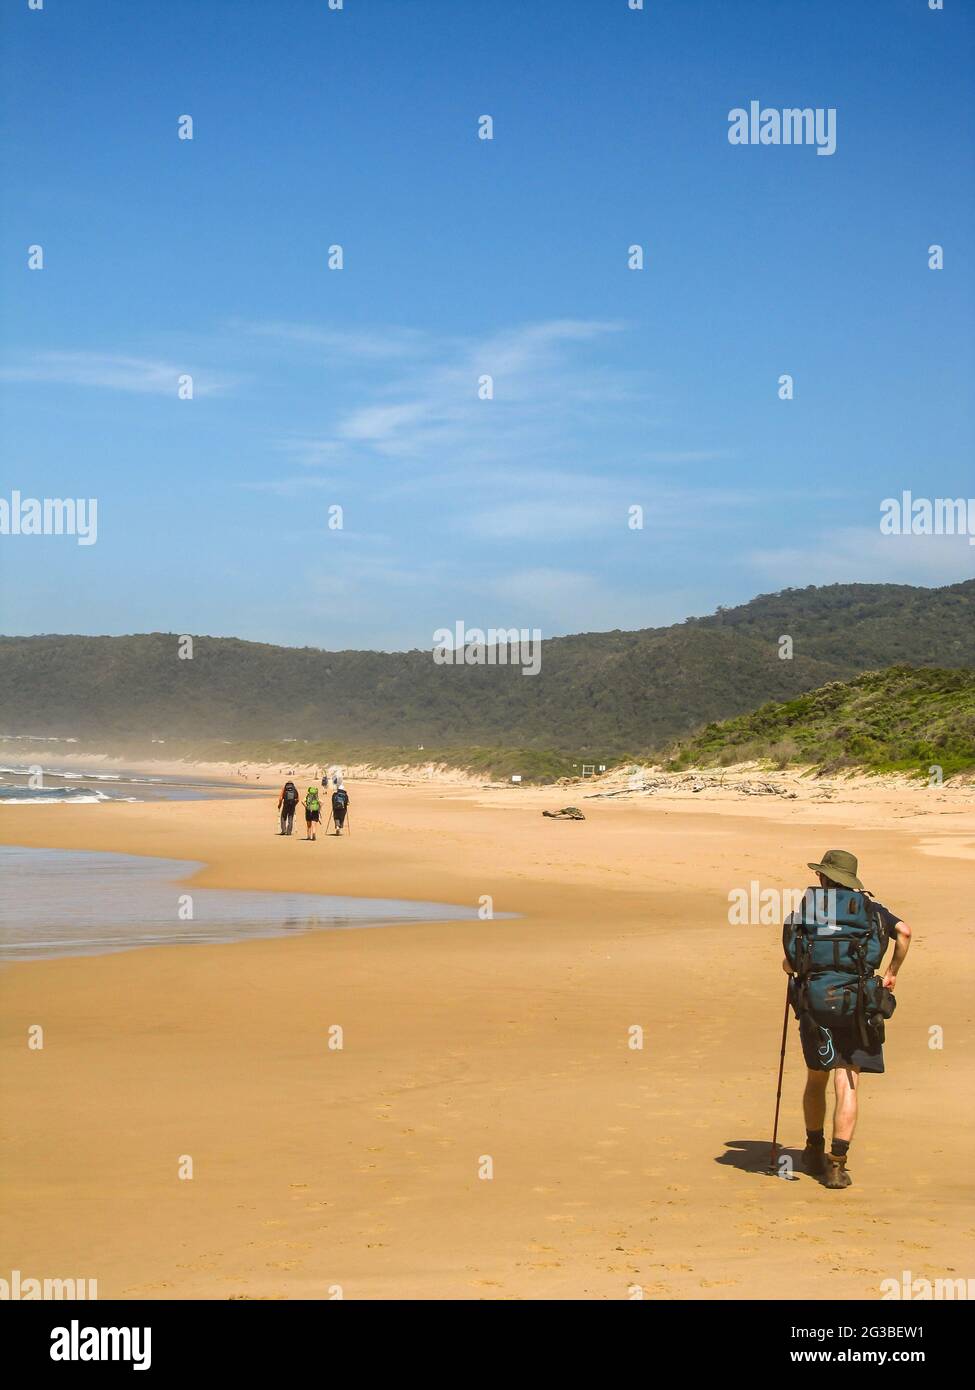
<point>526,465</point>
<point>289,487</point>
<point>560,600</point>
<point>418,408</point>
<point>437,407</point>
<point>342,343</point>
<point>860,554</point>
<point>554,506</point>
<point>148,376</point>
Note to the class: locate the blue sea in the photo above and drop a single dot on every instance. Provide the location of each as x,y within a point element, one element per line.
<point>26,786</point>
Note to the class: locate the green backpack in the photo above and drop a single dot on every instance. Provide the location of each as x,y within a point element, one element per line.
<point>835,941</point>
<point>311,799</point>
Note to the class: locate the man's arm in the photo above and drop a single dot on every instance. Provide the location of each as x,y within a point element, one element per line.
<point>897,959</point>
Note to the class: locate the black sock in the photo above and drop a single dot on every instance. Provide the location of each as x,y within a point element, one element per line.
<point>839,1148</point>
<point>815,1136</point>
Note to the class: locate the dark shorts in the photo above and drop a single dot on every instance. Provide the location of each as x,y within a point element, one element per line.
<point>312,816</point>
<point>827,1048</point>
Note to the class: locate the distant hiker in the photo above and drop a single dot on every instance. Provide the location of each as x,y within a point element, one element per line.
<point>312,812</point>
<point>340,806</point>
<point>834,942</point>
<point>287,805</point>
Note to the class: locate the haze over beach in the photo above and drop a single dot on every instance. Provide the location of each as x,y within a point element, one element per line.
<point>487,587</point>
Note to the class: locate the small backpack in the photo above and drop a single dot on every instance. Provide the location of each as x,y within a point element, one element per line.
<point>290,794</point>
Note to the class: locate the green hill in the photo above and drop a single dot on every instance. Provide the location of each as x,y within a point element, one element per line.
<point>902,719</point>
<point>598,695</point>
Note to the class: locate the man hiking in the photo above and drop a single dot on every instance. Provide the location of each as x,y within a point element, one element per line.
<point>834,942</point>
<point>312,812</point>
<point>287,804</point>
<point>340,805</point>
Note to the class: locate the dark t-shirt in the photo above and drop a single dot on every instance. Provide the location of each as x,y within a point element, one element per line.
<point>887,917</point>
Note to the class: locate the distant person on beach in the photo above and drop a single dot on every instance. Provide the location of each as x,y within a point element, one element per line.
<point>313,813</point>
<point>287,805</point>
<point>340,806</point>
<point>834,942</point>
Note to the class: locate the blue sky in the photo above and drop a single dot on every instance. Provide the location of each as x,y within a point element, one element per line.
<point>465,257</point>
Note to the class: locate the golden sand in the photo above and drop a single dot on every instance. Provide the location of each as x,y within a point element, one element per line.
<point>317,1169</point>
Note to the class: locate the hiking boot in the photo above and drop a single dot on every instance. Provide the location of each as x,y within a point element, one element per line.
<point>836,1174</point>
<point>814,1158</point>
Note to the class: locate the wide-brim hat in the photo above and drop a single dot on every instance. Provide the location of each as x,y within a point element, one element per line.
<point>841,867</point>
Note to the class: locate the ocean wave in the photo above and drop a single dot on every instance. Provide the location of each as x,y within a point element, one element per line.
<point>56,796</point>
<point>23,771</point>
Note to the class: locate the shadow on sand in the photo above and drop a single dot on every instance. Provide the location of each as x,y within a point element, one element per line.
<point>751,1155</point>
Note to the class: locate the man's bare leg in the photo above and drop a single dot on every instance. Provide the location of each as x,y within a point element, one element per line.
<point>814,1099</point>
<point>814,1110</point>
<point>845,1081</point>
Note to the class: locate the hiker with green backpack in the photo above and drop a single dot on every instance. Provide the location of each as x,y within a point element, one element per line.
<point>313,812</point>
<point>834,944</point>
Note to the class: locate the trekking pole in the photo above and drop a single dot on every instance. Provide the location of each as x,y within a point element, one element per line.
<point>329,822</point>
<point>348,821</point>
<point>773,1152</point>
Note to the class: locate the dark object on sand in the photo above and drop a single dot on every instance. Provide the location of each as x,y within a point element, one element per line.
<point>566,813</point>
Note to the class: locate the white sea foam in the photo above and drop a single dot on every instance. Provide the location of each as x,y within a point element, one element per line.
<point>56,796</point>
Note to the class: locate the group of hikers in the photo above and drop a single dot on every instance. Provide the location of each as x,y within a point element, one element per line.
<point>290,797</point>
<point>834,944</point>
